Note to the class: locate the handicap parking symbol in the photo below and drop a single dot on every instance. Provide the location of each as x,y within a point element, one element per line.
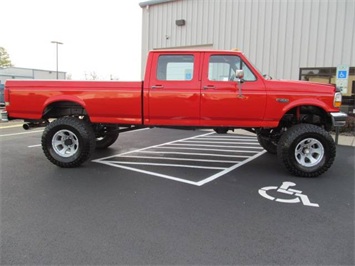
<point>285,189</point>
<point>342,74</point>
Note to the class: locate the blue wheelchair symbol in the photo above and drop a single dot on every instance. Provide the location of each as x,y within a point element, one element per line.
<point>342,74</point>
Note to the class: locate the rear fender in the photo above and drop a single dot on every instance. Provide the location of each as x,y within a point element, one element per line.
<point>64,98</point>
<point>63,106</point>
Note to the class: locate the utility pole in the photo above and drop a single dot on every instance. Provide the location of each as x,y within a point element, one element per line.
<point>56,44</point>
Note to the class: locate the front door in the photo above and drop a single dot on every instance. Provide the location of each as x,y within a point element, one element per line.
<point>223,102</point>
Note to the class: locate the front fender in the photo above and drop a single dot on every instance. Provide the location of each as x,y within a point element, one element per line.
<point>305,102</point>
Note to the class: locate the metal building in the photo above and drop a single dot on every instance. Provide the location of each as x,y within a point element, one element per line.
<point>28,73</point>
<point>287,39</point>
<point>25,73</point>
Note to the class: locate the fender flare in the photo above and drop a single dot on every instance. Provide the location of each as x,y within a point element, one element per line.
<point>63,98</point>
<point>304,102</point>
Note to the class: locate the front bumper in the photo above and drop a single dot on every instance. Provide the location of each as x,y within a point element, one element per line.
<point>4,116</point>
<point>338,119</point>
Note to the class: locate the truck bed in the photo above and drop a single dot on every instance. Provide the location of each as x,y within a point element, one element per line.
<point>101,99</point>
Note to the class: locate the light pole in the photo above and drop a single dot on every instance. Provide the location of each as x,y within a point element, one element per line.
<point>56,44</point>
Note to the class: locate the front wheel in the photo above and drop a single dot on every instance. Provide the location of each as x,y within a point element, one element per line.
<point>68,142</point>
<point>306,150</point>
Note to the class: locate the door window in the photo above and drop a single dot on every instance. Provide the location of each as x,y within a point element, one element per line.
<point>175,67</point>
<point>223,67</point>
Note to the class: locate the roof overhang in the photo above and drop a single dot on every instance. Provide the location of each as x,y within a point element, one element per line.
<point>154,2</point>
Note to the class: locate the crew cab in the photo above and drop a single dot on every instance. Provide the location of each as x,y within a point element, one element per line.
<point>192,89</point>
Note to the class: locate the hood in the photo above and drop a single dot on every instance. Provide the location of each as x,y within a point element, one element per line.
<point>299,85</point>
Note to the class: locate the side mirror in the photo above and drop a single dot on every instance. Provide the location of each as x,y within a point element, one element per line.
<point>239,74</point>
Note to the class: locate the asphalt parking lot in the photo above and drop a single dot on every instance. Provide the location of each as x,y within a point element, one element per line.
<point>162,196</point>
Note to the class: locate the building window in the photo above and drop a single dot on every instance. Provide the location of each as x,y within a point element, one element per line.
<point>321,75</point>
<point>328,75</point>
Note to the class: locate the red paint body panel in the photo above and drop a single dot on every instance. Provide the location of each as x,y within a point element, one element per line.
<point>174,103</point>
<point>105,102</point>
<point>298,93</point>
<point>222,105</point>
<point>194,102</point>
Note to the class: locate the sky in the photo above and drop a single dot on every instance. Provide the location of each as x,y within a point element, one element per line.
<point>100,36</point>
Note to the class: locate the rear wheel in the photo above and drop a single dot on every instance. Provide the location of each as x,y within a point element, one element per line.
<point>306,150</point>
<point>267,144</point>
<point>106,135</point>
<point>107,140</point>
<point>221,130</point>
<point>268,138</point>
<point>68,141</point>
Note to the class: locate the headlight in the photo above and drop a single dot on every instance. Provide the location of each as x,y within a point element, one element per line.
<point>337,99</point>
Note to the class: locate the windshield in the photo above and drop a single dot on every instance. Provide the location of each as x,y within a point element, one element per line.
<point>257,69</point>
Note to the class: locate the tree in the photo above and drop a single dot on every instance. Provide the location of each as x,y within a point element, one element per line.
<point>4,58</point>
<point>91,76</point>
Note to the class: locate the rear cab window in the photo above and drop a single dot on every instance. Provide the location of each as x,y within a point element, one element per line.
<point>175,68</point>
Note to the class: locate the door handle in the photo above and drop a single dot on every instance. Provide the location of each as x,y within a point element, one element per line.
<point>209,87</point>
<point>157,87</point>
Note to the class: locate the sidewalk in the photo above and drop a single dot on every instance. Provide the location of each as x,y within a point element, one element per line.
<point>345,140</point>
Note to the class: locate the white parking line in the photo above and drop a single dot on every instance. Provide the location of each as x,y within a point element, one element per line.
<point>170,165</point>
<point>11,126</point>
<point>222,142</point>
<point>179,151</point>
<point>203,149</point>
<point>150,173</point>
<point>34,146</point>
<point>211,178</point>
<point>218,146</point>
<point>201,154</point>
<point>21,133</point>
<point>238,137</point>
<point>143,149</point>
<point>181,159</point>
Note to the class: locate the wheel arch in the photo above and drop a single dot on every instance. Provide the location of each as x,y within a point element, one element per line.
<point>307,113</point>
<point>60,106</point>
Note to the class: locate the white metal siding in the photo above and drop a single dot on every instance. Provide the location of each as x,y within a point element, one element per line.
<point>279,36</point>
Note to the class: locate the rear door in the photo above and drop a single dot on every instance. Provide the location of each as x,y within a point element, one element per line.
<point>173,90</point>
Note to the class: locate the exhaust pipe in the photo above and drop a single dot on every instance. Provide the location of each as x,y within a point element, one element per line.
<point>26,126</point>
<point>30,125</point>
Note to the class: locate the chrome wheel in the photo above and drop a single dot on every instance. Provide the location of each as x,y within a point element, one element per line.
<point>65,143</point>
<point>306,150</point>
<point>309,152</point>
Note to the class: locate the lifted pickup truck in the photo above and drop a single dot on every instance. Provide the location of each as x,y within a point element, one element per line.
<point>220,90</point>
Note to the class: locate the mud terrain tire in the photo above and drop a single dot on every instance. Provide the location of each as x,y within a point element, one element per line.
<point>306,150</point>
<point>107,140</point>
<point>68,142</point>
<point>267,144</point>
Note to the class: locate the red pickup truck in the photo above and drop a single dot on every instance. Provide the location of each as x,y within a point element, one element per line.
<point>220,90</point>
